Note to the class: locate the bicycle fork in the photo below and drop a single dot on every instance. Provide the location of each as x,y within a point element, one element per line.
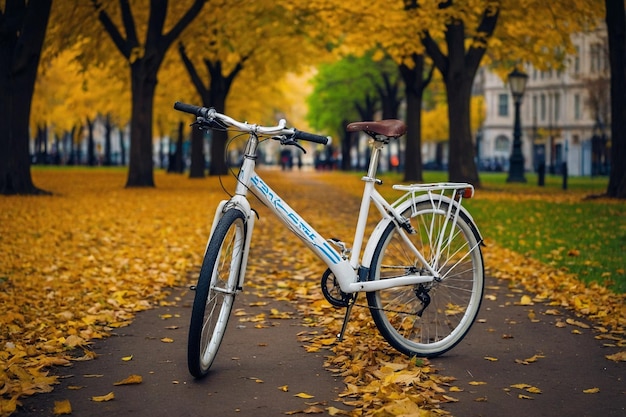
<point>237,202</point>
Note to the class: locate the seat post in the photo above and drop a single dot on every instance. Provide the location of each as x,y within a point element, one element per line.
<point>374,159</point>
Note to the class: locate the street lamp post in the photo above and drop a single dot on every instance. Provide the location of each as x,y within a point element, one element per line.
<point>517,84</point>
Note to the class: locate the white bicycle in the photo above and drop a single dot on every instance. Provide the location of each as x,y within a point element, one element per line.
<point>422,267</point>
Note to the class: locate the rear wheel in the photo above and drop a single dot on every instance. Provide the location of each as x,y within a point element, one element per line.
<point>431,318</point>
<point>215,292</point>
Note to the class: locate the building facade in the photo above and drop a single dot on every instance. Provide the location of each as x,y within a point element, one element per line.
<point>564,114</point>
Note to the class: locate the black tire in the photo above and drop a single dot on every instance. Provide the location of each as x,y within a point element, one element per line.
<point>453,301</point>
<point>215,292</point>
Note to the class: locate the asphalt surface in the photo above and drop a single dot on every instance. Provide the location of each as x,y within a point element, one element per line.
<point>247,378</point>
<point>510,350</point>
<point>253,366</point>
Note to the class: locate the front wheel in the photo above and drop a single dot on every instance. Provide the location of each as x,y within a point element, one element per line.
<point>215,292</point>
<point>431,318</point>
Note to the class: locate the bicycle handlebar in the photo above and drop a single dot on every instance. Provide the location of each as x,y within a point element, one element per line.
<point>210,114</point>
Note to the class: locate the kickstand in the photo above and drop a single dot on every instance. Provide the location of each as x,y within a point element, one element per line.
<point>347,317</point>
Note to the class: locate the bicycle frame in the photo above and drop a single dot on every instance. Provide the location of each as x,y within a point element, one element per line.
<point>418,316</point>
<point>345,270</point>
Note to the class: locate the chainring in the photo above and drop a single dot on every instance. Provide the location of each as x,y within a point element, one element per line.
<point>332,292</point>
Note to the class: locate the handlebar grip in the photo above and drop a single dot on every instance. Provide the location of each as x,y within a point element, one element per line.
<point>310,137</point>
<point>190,108</point>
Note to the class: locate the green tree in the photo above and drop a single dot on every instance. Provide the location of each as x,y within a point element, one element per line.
<point>351,89</point>
<point>22,31</point>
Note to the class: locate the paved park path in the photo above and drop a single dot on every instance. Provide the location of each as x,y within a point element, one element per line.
<point>511,349</point>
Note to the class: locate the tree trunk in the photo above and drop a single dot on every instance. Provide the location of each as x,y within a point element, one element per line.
<point>122,146</point>
<point>219,165</point>
<point>143,84</point>
<point>41,145</point>
<point>366,112</point>
<point>616,27</point>
<point>91,143</point>
<point>346,147</point>
<point>415,85</point>
<point>22,31</point>
<point>176,158</point>
<point>461,152</point>
<point>389,97</point>
<point>58,144</point>
<point>107,140</point>
<point>459,79</point>
<point>196,170</point>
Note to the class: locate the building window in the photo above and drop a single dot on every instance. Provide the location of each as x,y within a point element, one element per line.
<point>503,104</point>
<point>542,110</point>
<point>502,144</point>
<point>534,110</point>
<point>597,58</point>
<point>577,61</point>
<point>577,109</point>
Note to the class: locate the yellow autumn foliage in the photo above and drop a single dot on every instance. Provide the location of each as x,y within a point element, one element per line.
<point>83,261</point>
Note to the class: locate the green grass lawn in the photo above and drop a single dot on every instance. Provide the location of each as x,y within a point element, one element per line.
<point>562,228</point>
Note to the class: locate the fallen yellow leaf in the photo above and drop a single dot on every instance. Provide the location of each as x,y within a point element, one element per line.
<point>531,359</point>
<point>333,411</point>
<point>313,410</point>
<point>617,357</point>
<point>573,322</point>
<point>526,301</point>
<point>167,340</point>
<point>304,395</point>
<point>103,398</point>
<point>133,379</point>
<point>127,358</point>
<point>591,390</point>
<point>284,388</point>
<point>491,359</point>
<point>62,407</point>
<point>477,383</point>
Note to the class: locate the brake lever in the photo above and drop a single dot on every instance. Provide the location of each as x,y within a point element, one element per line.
<point>284,140</point>
<point>205,124</point>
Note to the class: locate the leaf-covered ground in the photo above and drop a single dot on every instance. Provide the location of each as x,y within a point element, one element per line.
<point>83,261</point>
